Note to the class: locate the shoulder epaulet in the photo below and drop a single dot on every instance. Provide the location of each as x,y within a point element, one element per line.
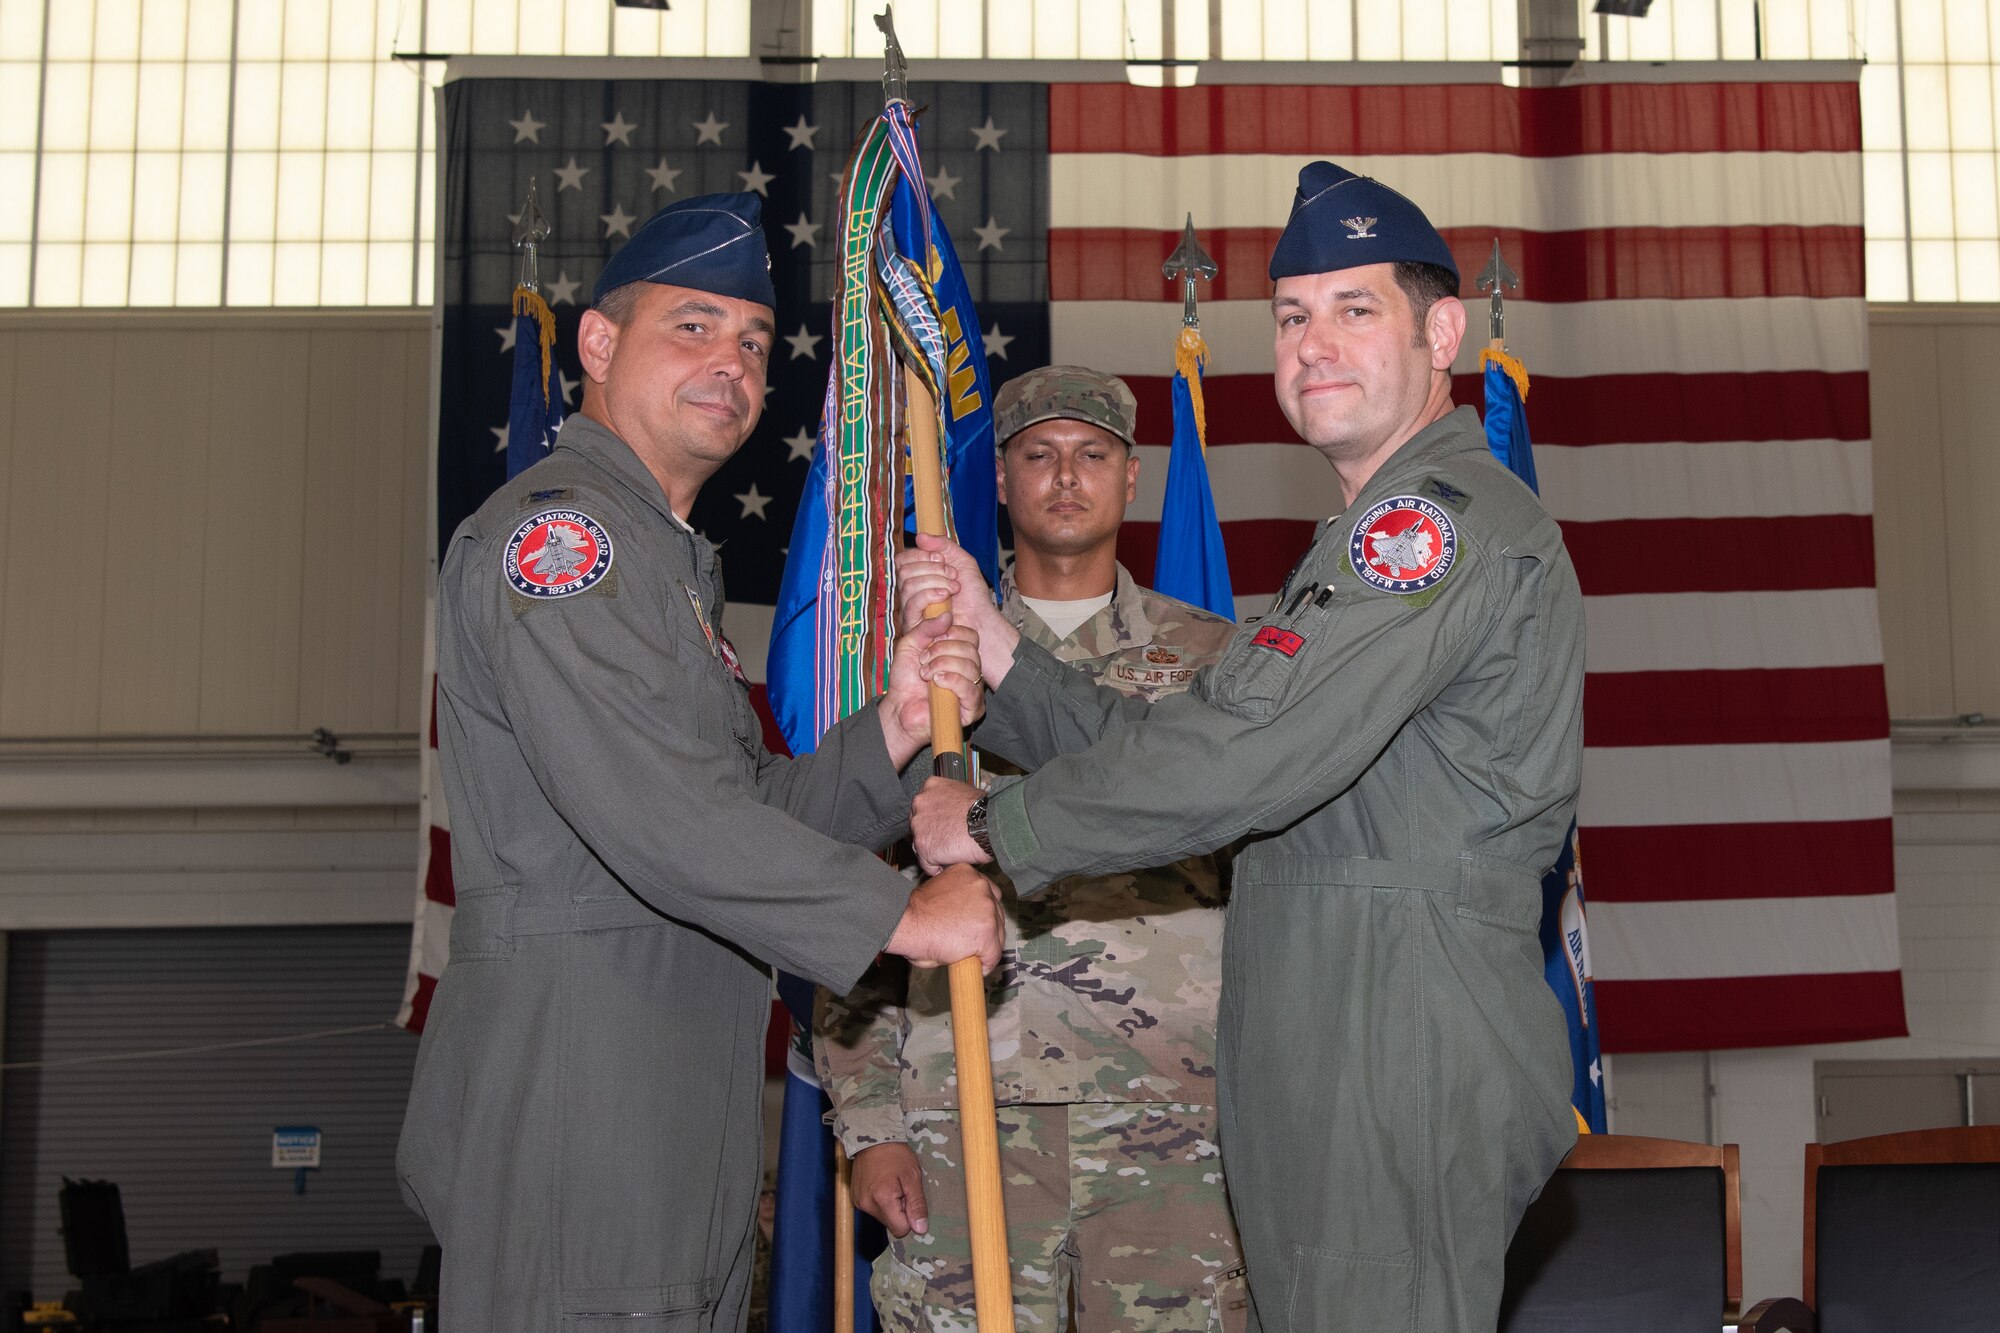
<point>1200,615</point>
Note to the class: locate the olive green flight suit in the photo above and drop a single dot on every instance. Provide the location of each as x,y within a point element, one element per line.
<point>1404,763</point>
<point>583,1131</point>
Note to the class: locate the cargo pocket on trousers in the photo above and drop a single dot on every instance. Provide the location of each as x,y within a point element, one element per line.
<point>1228,1297</point>
<point>901,1294</point>
<point>1344,1289</point>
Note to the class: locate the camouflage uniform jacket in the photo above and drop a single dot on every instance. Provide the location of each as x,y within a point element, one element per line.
<point>1107,991</point>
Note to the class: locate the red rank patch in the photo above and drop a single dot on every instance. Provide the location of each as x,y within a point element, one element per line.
<point>1283,640</point>
<point>556,553</point>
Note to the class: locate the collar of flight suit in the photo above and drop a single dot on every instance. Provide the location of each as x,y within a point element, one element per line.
<point>591,439</point>
<point>588,438</point>
<point>1123,620</point>
<point>1456,432</point>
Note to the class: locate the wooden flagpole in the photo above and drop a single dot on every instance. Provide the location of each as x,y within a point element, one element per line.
<point>992,1282</point>
<point>843,1241</point>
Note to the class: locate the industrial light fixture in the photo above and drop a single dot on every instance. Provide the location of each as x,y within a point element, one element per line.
<point>1630,9</point>
<point>641,4</point>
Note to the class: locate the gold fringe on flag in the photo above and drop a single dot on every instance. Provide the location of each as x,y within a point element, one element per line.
<point>529,303</point>
<point>1190,355</point>
<point>1512,365</point>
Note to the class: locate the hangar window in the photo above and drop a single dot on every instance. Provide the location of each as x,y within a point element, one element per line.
<point>281,152</point>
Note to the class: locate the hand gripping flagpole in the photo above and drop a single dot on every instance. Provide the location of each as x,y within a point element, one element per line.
<point>992,1283</point>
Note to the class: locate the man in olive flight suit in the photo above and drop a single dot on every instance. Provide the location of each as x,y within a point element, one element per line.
<point>1400,741</point>
<point>583,1133</point>
<point>1103,1017</point>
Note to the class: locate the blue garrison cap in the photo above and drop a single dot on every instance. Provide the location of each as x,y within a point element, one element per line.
<point>1341,220</point>
<point>711,243</point>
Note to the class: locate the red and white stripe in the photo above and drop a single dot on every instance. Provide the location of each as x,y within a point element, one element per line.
<point>1691,315</point>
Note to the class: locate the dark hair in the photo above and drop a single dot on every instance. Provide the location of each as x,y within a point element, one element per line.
<point>1425,285</point>
<point>616,304</point>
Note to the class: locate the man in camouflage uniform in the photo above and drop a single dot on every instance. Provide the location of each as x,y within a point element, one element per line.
<point>1103,1015</point>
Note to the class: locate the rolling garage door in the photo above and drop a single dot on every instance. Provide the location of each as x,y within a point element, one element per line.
<point>187,1136</point>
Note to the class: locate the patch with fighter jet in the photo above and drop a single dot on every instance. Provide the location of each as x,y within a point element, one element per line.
<point>557,553</point>
<point>1406,544</point>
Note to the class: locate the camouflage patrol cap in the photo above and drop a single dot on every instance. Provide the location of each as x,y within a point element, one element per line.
<point>1067,393</point>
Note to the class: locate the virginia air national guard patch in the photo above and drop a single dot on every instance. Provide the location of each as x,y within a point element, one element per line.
<point>557,553</point>
<point>1406,544</point>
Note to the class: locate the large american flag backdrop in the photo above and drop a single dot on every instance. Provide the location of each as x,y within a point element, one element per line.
<point>1691,315</point>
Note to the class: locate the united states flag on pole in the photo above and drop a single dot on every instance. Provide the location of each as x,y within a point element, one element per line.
<point>1690,256</point>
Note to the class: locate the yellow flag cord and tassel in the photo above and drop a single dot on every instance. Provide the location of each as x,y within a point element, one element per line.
<point>1494,356</point>
<point>1190,354</point>
<point>528,303</point>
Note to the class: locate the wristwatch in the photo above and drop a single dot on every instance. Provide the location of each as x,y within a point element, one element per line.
<point>975,826</point>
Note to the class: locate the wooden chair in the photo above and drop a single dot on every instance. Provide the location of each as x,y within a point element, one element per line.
<point>1631,1233</point>
<point>1903,1231</point>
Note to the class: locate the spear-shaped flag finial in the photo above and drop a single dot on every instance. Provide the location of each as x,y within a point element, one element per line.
<point>1188,262</point>
<point>530,230</point>
<point>1491,279</point>
<point>895,69</point>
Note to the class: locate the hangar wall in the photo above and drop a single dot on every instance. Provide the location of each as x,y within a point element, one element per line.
<point>213,535</point>
<point>215,521</point>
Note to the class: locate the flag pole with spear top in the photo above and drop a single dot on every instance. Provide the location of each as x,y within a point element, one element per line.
<point>1505,420</point>
<point>1192,564</point>
<point>1565,929</point>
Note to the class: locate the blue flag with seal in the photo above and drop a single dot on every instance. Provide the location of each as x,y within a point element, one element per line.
<point>535,408</point>
<point>1565,938</point>
<point>1191,564</point>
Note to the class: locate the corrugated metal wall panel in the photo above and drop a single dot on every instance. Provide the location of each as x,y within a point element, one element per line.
<point>188,1137</point>
<point>240,501</point>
